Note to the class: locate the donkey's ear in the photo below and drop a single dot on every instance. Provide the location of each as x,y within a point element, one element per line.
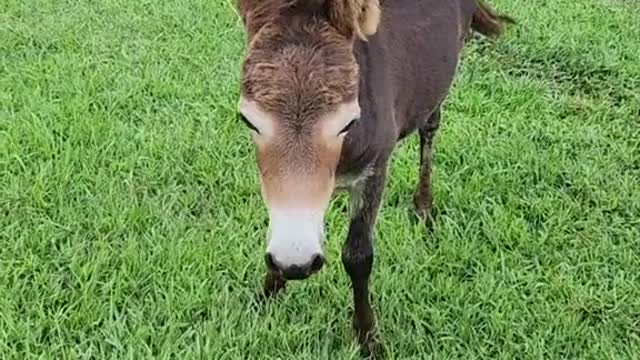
<point>355,17</point>
<point>253,14</point>
<point>369,18</point>
<point>242,6</point>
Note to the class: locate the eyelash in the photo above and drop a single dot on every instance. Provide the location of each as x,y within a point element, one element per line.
<point>348,127</point>
<point>252,127</point>
<point>248,123</point>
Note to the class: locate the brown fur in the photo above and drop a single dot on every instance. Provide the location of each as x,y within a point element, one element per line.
<point>299,74</point>
<point>299,67</point>
<point>293,174</point>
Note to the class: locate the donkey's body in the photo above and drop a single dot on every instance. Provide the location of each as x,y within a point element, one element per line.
<point>301,80</point>
<point>406,70</point>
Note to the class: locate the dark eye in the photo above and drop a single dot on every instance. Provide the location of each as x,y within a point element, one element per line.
<point>248,123</point>
<point>348,127</point>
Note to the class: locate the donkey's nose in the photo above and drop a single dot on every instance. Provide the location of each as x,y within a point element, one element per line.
<point>295,272</point>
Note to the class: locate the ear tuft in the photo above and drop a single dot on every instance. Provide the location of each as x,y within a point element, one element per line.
<point>369,18</point>
<point>355,17</point>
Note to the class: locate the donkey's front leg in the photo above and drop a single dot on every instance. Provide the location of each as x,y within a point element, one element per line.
<point>357,256</point>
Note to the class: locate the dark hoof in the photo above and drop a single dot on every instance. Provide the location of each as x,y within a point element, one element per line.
<point>274,283</point>
<point>427,217</point>
<point>365,331</point>
<point>371,347</point>
<point>425,213</point>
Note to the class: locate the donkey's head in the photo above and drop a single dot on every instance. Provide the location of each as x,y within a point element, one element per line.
<point>299,99</point>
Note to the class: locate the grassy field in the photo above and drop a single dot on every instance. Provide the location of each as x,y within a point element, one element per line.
<point>131,224</point>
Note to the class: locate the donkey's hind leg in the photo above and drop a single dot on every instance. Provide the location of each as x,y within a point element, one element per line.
<point>423,197</point>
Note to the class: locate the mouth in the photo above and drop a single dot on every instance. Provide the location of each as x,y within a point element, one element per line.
<point>292,276</point>
<point>296,272</point>
<point>296,275</point>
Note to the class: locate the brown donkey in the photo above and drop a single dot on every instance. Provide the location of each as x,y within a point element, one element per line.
<point>328,89</point>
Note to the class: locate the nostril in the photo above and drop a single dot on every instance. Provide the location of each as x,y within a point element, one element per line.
<point>317,263</point>
<point>271,265</point>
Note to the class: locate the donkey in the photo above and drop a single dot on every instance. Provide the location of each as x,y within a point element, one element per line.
<point>329,87</point>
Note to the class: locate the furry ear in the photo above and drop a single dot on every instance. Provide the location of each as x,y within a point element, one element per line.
<point>369,18</point>
<point>355,17</point>
<point>350,17</point>
<point>243,7</point>
<point>254,14</point>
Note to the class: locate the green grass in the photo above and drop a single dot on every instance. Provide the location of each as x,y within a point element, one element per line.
<point>131,224</point>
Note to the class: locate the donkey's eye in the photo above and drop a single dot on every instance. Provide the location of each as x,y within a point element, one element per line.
<point>348,127</point>
<point>248,123</point>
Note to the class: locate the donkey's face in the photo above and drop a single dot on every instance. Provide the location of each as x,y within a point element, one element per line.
<point>299,99</point>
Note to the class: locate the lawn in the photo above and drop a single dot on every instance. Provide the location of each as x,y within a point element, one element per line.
<point>131,224</point>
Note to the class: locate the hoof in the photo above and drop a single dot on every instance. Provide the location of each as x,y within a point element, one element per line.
<point>426,216</point>
<point>367,335</point>
<point>274,283</point>
<point>425,213</point>
<point>371,347</point>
